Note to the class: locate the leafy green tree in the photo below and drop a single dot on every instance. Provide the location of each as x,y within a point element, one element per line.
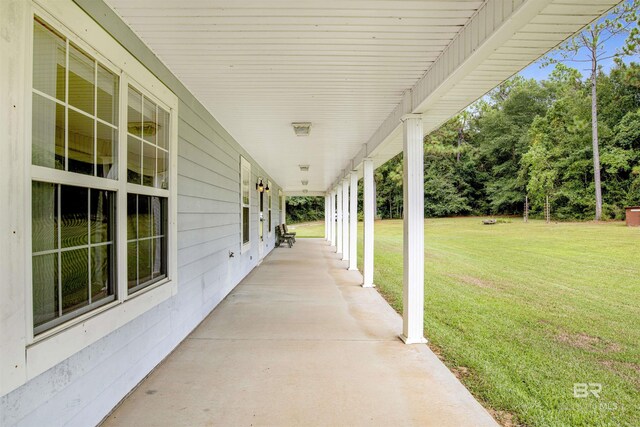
<point>447,189</point>
<point>304,208</point>
<point>499,133</point>
<point>525,137</point>
<point>623,20</point>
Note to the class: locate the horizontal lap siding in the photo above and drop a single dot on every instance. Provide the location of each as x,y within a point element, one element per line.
<point>84,388</point>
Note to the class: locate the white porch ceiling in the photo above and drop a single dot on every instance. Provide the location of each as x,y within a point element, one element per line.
<point>351,67</point>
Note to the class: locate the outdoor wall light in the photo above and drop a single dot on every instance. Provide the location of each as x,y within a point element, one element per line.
<point>305,182</point>
<point>261,187</point>
<point>304,168</point>
<point>301,128</point>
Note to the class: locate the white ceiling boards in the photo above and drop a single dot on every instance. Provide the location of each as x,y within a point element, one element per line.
<point>350,67</point>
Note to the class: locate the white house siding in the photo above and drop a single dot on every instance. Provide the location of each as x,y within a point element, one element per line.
<point>82,389</point>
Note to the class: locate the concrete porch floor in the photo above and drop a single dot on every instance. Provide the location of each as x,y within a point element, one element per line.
<point>300,343</point>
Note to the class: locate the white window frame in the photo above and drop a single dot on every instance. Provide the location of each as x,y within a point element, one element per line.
<point>58,343</point>
<point>245,167</point>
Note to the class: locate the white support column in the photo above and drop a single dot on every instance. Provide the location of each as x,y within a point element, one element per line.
<point>413,230</point>
<point>339,215</point>
<point>353,221</point>
<point>326,217</point>
<point>345,219</point>
<point>332,217</point>
<point>368,205</point>
<point>283,209</point>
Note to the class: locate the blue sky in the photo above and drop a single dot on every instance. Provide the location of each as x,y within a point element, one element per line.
<point>535,71</point>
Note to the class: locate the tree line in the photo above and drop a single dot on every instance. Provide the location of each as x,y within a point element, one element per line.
<point>525,138</point>
<point>532,139</point>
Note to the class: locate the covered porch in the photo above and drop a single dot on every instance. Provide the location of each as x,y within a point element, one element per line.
<point>300,342</point>
<point>201,105</point>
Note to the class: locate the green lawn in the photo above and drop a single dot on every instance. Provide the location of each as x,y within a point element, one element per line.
<point>522,312</point>
<point>307,229</point>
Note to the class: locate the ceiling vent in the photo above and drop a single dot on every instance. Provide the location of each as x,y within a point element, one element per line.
<point>305,182</point>
<point>304,168</point>
<point>301,128</point>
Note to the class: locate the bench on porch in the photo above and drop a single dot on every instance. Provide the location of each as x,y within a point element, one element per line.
<point>282,236</point>
<point>286,231</point>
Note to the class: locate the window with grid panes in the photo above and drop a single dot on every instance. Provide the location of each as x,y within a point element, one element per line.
<point>76,123</point>
<point>75,132</point>
<point>147,192</point>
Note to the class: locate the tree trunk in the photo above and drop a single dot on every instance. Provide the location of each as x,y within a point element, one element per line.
<point>594,131</point>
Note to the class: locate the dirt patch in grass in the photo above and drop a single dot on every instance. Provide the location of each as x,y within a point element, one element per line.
<point>505,419</point>
<point>587,342</point>
<point>461,372</point>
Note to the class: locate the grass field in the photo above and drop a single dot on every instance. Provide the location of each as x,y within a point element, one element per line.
<point>523,312</point>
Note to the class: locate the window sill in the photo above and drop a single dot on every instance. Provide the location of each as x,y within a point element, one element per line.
<point>57,344</point>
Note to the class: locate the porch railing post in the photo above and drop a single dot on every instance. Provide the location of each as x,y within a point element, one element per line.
<point>353,221</point>
<point>413,231</point>
<point>345,219</point>
<point>368,205</point>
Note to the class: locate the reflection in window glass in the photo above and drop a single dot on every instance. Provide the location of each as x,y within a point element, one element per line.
<point>148,164</point>
<point>161,171</point>
<point>75,280</point>
<point>106,152</point>
<point>146,234</point>
<point>132,216</point>
<point>44,216</point>
<point>163,128</point>
<point>49,61</point>
<point>132,264</point>
<point>81,80</point>
<point>107,105</point>
<point>64,114</point>
<point>245,225</point>
<point>149,121</point>
<point>45,288</point>
<point>74,216</point>
<point>80,143</point>
<point>101,267</point>
<point>134,160</point>
<point>148,137</point>
<point>101,216</point>
<point>144,261</point>
<point>144,216</point>
<point>47,133</point>
<point>74,273</point>
<point>134,112</point>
